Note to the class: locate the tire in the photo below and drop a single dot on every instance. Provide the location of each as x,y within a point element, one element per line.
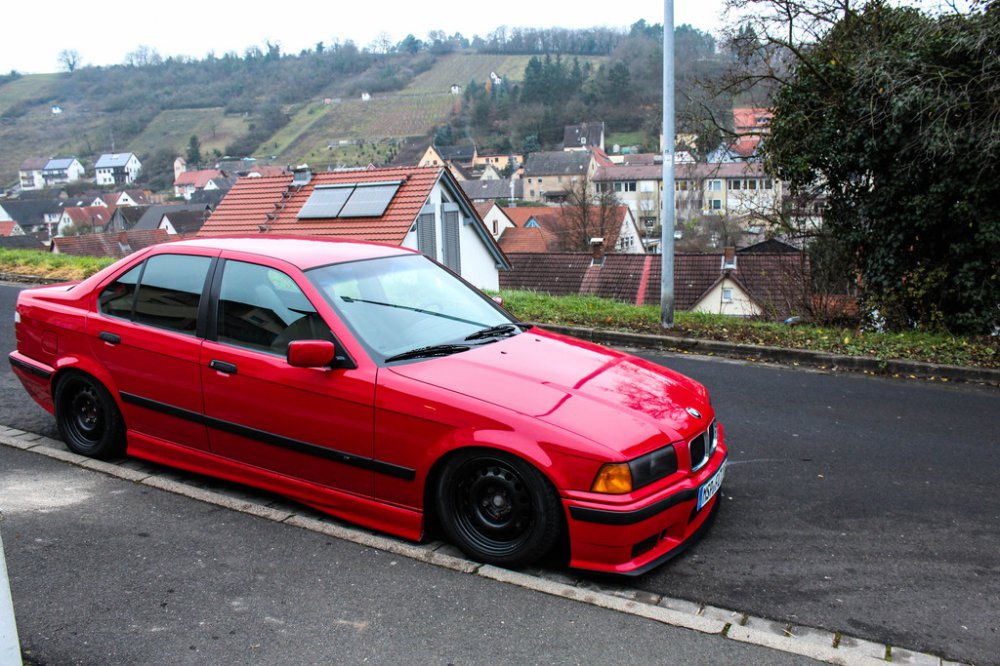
<point>88,418</point>
<point>497,508</point>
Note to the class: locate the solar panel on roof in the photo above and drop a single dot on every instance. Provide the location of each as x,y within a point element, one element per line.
<point>369,200</point>
<point>325,202</point>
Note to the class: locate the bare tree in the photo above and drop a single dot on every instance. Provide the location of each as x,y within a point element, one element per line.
<point>588,212</point>
<point>143,56</point>
<point>69,59</point>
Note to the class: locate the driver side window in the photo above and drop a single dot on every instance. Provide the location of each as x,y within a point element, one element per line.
<point>262,308</point>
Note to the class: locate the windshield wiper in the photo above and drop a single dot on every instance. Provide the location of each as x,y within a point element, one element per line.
<point>496,331</point>
<point>351,299</point>
<point>432,350</point>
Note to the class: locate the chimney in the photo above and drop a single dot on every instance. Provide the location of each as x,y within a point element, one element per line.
<point>596,251</point>
<point>301,175</point>
<point>729,258</point>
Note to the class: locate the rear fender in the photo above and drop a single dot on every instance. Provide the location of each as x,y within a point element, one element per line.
<point>87,366</point>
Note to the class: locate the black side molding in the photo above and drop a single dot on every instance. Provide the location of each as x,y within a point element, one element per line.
<point>377,466</point>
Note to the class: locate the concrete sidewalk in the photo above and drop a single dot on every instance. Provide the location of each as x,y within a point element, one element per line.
<point>28,491</point>
<point>107,571</point>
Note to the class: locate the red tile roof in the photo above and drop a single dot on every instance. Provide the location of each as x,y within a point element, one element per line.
<point>557,227</point>
<point>87,217</point>
<point>197,179</point>
<point>535,239</point>
<point>776,282</point>
<point>114,244</point>
<point>520,215</point>
<point>751,119</point>
<point>274,203</point>
<point>7,227</point>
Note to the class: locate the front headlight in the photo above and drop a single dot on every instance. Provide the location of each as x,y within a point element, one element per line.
<point>620,478</point>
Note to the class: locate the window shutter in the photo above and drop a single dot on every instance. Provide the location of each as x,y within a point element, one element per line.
<point>426,241</point>
<point>450,236</point>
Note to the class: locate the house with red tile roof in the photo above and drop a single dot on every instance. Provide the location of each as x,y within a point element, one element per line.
<point>768,284</point>
<point>10,228</point>
<point>123,198</point>
<point>78,220</point>
<point>558,229</point>
<point>494,217</point>
<point>187,182</point>
<point>422,208</point>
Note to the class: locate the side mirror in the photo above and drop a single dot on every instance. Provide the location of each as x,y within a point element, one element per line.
<point>498,300</point>
<point>311,353</point>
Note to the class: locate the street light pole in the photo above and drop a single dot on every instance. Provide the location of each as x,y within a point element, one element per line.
<point>667,212</point>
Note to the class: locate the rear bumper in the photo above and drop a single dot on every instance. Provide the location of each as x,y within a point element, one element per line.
<point>636,538</point>
<point>36,378</point>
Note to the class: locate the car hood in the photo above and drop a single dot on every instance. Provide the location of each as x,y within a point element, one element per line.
<point>613,399</point>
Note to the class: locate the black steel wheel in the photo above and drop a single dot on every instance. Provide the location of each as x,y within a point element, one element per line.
<point>88,418</point>
<point>497,508</point>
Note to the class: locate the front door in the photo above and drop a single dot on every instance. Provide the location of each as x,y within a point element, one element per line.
<point>313,424</point>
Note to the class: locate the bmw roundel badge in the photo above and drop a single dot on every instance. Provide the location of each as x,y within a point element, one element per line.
<point>694,412</point>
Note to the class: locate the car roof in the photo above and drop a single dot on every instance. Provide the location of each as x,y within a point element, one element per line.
<point>305,253</point>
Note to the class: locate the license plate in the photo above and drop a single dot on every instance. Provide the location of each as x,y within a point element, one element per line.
<point>710,487</point>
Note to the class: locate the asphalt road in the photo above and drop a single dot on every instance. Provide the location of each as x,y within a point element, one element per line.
<point>855,504</point>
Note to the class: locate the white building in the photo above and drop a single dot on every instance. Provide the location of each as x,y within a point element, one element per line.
<point>117,168</point>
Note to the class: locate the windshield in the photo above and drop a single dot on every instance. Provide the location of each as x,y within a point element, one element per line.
<point>398,305</point>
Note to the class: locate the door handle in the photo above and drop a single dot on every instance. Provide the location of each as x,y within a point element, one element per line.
<point>222,366</point>
<point>113,338</point>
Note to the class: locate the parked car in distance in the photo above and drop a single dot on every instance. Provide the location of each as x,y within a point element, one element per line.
<point>375,385</point>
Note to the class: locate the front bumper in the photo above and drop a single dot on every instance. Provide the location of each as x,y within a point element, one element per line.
<point>631,539</point>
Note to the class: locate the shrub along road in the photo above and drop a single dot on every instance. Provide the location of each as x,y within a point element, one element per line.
<point>860,505</point>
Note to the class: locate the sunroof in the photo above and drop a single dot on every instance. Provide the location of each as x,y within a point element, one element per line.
<point>369,200</point>
<point>325,202</point>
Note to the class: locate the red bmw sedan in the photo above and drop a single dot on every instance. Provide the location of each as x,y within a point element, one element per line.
<point>375,385</point>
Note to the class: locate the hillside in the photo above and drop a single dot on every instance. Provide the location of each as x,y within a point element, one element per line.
<point>310,107</point>
<point>316,132</point>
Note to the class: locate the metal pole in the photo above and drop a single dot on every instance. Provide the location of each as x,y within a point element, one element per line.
<point>667,212</point>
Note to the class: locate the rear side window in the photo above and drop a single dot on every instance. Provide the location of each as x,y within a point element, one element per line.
<point>167,295</point>
<point>118,297</point>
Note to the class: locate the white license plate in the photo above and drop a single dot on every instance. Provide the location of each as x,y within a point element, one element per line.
<point>710,487</point>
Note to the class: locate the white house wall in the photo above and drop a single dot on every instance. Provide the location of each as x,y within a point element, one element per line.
<point>739,306</point>
<point>478,265</point>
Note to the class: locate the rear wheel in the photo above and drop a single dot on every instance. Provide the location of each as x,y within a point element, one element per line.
<point>88,418</point>
<point>497,508</point>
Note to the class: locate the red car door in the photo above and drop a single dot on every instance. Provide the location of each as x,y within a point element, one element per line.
<point>145,333</point>
<point>313,424</point>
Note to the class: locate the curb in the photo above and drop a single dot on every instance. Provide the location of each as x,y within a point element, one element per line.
<point>818,644</point>
<point>864,364</point>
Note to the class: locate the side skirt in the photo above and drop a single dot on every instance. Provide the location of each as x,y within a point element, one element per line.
<point>404,523</point>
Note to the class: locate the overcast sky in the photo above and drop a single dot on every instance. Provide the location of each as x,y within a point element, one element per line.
<point>35,32</point>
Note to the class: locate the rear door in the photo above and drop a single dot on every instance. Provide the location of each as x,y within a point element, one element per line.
<point>313,424</point>
<point>145,332</point>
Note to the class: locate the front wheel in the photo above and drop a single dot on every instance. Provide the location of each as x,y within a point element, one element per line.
<point>88,418</point>
<point>497,508</point>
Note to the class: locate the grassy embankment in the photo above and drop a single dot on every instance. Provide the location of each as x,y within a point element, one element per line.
<point>601,313</point>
